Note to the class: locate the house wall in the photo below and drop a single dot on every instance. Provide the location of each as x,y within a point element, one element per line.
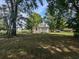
<point>41,29</point>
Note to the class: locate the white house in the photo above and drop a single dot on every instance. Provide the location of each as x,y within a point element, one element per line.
<point>41,28</point>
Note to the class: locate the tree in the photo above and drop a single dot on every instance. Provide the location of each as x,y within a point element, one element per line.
<point>56,22</point>
<point>65,6</point>
<point>33,20</point>
<point>4,16</point>
<point>63,23</point>
<point>16,6</point>
<point>51,21</point>
<point>2,25</point>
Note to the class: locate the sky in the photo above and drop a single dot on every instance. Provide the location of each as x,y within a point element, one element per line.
<point>1,2</point>
<point>40,10</point>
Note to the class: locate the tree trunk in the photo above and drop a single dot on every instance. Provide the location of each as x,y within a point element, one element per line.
<point>13,30</point>
<point>14,22</point>
<point>13,17</point>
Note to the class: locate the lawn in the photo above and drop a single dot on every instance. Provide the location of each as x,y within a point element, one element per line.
<point>63,33</point>
<point>56,33</point>
<point>39,46</point>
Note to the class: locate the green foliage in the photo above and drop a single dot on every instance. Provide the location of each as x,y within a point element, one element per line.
<point>55,9</point>
<point>29,24</point>
<point>55,21</point>
<point>51,22</point>
<point>63,23</point>
<point>33,20</point>
<point>36,18</point>
<point>2,25</point>
<point>53,5</point>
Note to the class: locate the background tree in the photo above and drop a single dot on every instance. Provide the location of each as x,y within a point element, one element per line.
<point>4,15</point>
<point>2,25</point>
<point>33,20</point>
<point>51,21</point>
<point>56,22</point>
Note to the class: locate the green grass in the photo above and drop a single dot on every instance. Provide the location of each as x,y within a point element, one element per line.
<point>57,33</point>
<point>63,33</point>
<point>39,46</point>
<point>24,32</point>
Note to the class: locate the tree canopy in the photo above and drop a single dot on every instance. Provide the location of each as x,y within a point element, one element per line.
<point>33,20</point>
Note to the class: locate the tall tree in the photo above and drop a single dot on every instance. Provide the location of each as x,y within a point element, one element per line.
<point>33,20</point>
<point>56,23</point>
<point>15,6</point>
<point>51,21</point>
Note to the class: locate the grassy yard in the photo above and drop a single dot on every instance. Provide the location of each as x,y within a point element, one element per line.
<point>56,33</point>
<point>63,33</point>
<point>39,46</point>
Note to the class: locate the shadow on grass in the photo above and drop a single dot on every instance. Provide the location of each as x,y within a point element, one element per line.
<point>39,46</point>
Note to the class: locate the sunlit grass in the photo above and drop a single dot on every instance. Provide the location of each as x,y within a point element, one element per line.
<point>63,33</point>
<point>24,32</point>
<point>56,33</point>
